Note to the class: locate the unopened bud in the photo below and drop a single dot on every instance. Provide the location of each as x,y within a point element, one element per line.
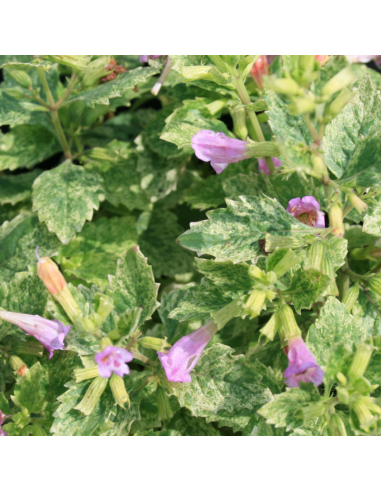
<point>336,220</point>
<point>164,405</point>
<point>316,255</point>
<point>21,77</point>
<point>86,374</point>
<point>279,242</point>
<point>312,411</point>
<point>375,285</point>
<point>287,87</point>
<point>290,260</point>
<point>258,274</point>
<point>322,59</point>
<point>18,366</point>
<point>50,274</point>
<point>359,205</point>
<point>343,79</point>
<point>255,304</point>
<point>288,327</point>
<point>340,102</point>
<point>363,409</point>
<point>320,168</point>
<point>260,68</point>
<point>327,267</point>
<point>303,105</point>
<point>92,396</point>
<point>337,427</point>
<point>360,362</point>
<point>119,391</point>
<point>239,120</point>
<point>156,344</point>
<point>271,329</point>
<point>351,297</point>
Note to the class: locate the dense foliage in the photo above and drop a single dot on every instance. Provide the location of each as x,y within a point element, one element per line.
<point>272,308</point>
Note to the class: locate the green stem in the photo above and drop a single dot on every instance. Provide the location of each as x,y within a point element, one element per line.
<point>312,129</point>
<point>55,116</point>
<point>244,95</point>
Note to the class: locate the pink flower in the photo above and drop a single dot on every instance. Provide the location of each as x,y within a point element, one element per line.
<point>145,58</point>
<point>264,168</point>
<point>218,149</point>
<point>361,58</point>
<point>2,420</point>
<point>113,360</point>
<point>302,365</point>
<point>50,333</point>
<point>185,354</point>
<point>307,211</point>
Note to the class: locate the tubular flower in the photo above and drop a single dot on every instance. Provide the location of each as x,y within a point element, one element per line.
<point>145,58</point>
<point>185,354</point>
<point>361,58</point>
<point>307,211</point>
<point>50,333</point>
<point>260,68</point>
<point>302,365</point>
<point>263,165</point>
<point>114,360</point>
<point>218,149</point>
<point>2,420</point>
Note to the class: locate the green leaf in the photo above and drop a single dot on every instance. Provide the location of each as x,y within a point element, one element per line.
<point>16,189</point>
<point>233,233</point>
<point>231,277</point>
<point>305,289</point>
<point>360,118</point>
<point>283,410</point>
<point>4,405</point>
<point>18,241</point>
<point>224,389</point>
<point>334,325</point>
<point>31,391</point>
<point>372,221</point>
<point>116,88</point>
<point>134,285</point>
<point>186,425</point>
<point>25,146</point>
<point>12,111</point>
<point>188,120</point>
<point>65,198</point>
<point>93,254</point>
<point>159,244</point>
<point>25,66</point>
<point>169,302</point>
<point>77,62</point>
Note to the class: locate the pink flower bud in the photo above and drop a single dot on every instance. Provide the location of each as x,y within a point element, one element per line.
<point>322,59</point>
<point>260,68</point>
<point>302,365</point>
<point>218,149</point>
<point>185,354</point>
<point>307,211</point>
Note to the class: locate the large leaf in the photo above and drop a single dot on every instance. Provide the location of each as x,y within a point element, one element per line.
<point>93,254</point>
<point>65,198</point>
<point>372,221</point>
<point>15,189</point>
<point>18,241</point>
<point>14,112</point>
<point>116,88</point>
<point>359,119</point>
<point>233,233</point>
<point>224,389</point>
<point>25,146</point>
<point>31,391</point>
<point>134,285</point>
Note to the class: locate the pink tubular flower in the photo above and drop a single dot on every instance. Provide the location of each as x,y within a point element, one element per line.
<point>302,365</point>
<point>361,58</point>
<point>50,333</point>
<point>307,211</point>
<point>264,168</point>
<point>218,149</point>
<point>185,354</point>
<point>2,420</point>
<point>113,360</point>
<point>145,58</point>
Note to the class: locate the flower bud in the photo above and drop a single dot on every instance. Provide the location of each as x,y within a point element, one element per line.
<point>18,366</point>
<point>327,267</point>
<point>274,243</point>
<point>156,344</point>
<point>303,105</point>
<point>336,220</point>
<point>288,328</point>
<point>316,255</point>
<point>51,276</point>
<point>375,285</point>
<point>239,120</point>
<point>340,102</point>
<point>119,391</point>
<point>360,362</point>
<point>322,59</point>
<point>92,396</point>
<point>343,79</point>
<point>260,68</point>
<point>351,297</point>
<point>364,409</point>
<point>21,77</point>
<point>337,427</point>
<point>258,274</point>
<point>290,260</point>
<point>320,167</point>
<point>271,329</point>
<point>359,205</point>
<point>312,411</point>
<point>163,404</point>
<point>287,87</point>
<point>255,304</point>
